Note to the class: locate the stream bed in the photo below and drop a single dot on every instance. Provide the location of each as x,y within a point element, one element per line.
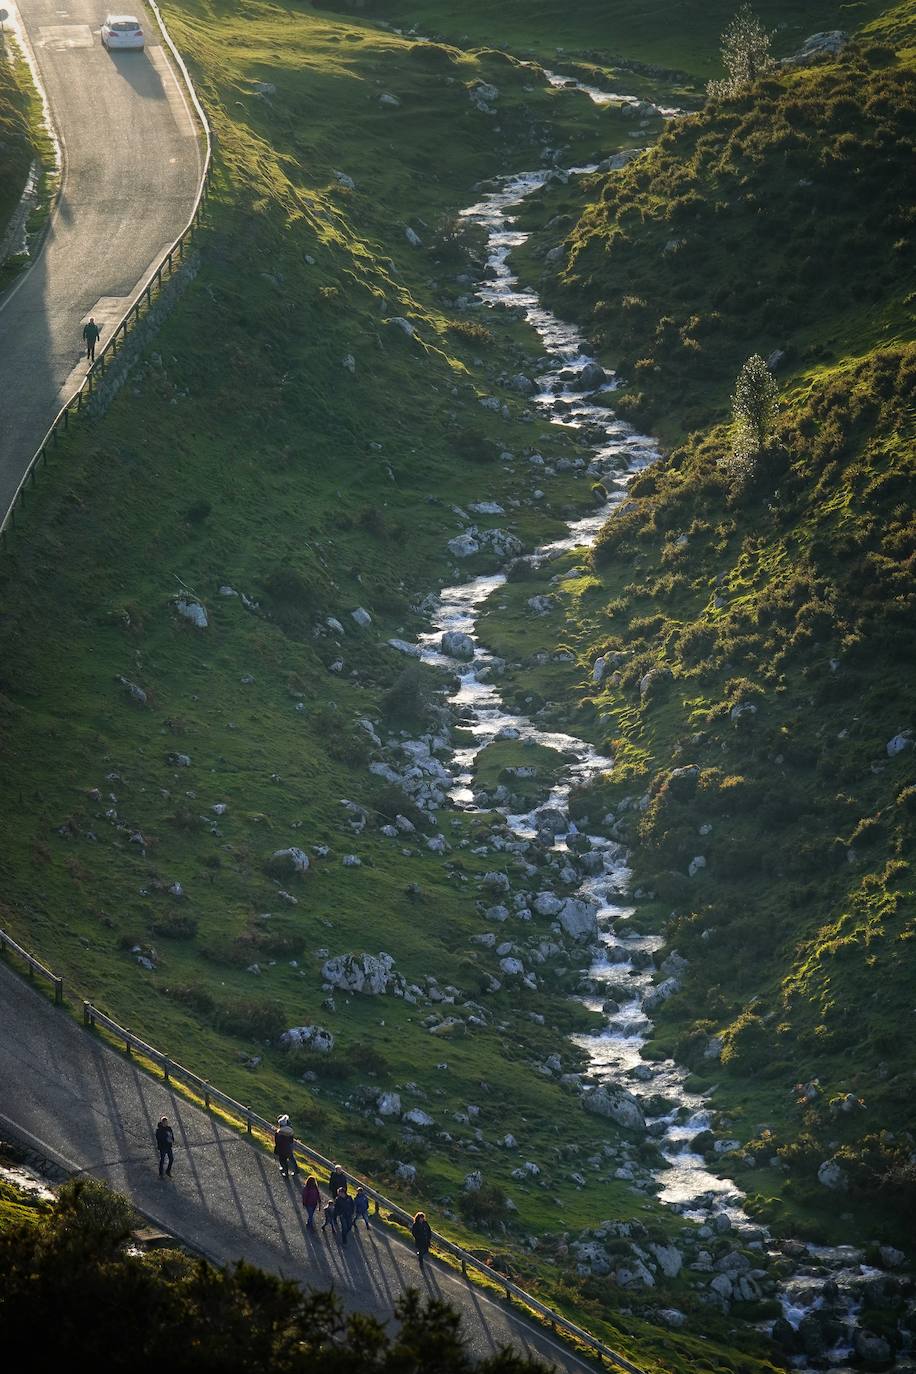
<point>820,1289</point>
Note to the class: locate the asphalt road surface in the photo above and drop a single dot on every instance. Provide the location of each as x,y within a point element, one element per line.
<point>131,166</point>
<point>95,1112</point>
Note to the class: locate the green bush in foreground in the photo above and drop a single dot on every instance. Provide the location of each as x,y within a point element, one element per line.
<point>133,1311</point>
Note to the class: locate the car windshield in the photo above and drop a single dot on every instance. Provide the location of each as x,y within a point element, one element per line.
<point>125,25</point>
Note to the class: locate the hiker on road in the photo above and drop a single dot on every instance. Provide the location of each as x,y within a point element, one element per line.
<point>422,1234</point>
<point>345,1212</point>
<point>336,1181</point>
<point>91,335</point>
<point>361,1207</point>
<point>311,1197</point>
<point>283,1146</point>
<point>165,1140</point>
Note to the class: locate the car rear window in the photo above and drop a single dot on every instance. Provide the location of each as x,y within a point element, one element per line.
<point>125,26</point>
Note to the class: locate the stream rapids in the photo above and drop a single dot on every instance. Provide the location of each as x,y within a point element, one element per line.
<point>832,1277</point>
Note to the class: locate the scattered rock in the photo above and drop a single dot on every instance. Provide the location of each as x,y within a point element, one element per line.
<point>457,644</point>
<point>308,1037</point>
<point>288,861</point>
<point>617,1104</point>
<point>831,1175</point>
<point>362,617</point>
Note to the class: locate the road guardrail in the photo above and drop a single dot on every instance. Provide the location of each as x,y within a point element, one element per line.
<point>211,1096</point>
<point>171,258</point>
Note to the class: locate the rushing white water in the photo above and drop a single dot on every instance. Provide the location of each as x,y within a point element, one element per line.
<point>824,1279</point>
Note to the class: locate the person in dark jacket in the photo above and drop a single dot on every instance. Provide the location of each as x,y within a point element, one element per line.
<point>336,1181</point>
<point>311,1197</point>
<point>345,1212</point>
<point>422,1234</point>
<point>91,333</point>
<point>165,1140</point>
<point>284,1142</point>
<point>361,1207</point>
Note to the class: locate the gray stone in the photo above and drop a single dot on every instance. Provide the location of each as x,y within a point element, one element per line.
<point>308,1037</point>
<point>617,1104</point>
<point>457,644</point>
<point>362,617</point>
<point>579,918</point>
<point>831,1175</point>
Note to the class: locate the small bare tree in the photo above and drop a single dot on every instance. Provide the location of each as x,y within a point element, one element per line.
<point>745,54</point>
<point>754,404</point>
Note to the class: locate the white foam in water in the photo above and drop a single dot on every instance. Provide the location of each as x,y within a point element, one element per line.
<point>685,1183</point>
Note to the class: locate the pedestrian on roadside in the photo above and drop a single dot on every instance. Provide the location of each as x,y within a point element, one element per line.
<point>422,1234</point>
<point>311,1197</point>
<point>345,1212</point>
<point>165,1140</point>
<point>336,1181</point>
<point>330,1218</point>
<point>284,1146</point>
<point>91,335</point>
<point>361,1207</point>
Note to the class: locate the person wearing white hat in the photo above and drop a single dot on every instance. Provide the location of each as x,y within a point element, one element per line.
<point>284,1146</point>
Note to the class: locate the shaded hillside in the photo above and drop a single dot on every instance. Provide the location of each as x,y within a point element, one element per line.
<point>780,220</point>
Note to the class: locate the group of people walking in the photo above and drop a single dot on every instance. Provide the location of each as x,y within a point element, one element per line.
<point>341,1212</point>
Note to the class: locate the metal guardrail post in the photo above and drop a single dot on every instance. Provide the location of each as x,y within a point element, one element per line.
<point>58,992</point>
<point>127,1049</point>
<point>166,1065</point>
<point>207,1094</point>
<point>248,1120</point>
<point>87,1014</point>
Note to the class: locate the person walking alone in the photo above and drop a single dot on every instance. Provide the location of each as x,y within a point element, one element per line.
<point>345,1212</point>
<point>284,1146</point>
<point>311,1197</point>
<point>165,1141</point>
<point>91,335</point>
<point>422,1234</point>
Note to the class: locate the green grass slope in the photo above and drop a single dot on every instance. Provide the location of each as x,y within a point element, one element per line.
<point>678,34</point>
<point>760,641</point>
<point>782,217</point>
<point>284,439</point>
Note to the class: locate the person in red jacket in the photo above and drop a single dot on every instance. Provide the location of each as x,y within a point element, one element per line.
<point>311,1197</point>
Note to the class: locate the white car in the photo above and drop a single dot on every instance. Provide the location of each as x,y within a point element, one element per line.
<point>122,31</point>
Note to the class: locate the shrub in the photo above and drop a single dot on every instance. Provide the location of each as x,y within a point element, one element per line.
<point>406,698</point>
<point>197,513</point>
<point>471,332</point>
<point>175,925</point>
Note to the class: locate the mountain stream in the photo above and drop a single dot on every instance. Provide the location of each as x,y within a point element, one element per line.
<point>819,1277</point>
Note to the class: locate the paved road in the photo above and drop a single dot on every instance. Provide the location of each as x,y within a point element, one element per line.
<point>94,1111</point>
<point>131,166</point>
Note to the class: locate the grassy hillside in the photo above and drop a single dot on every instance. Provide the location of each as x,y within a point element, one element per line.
<point>23,139</point>
<point>780,220</point>
<point>760,639</point>
<point>678,34</point>
<point>287,440</point>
